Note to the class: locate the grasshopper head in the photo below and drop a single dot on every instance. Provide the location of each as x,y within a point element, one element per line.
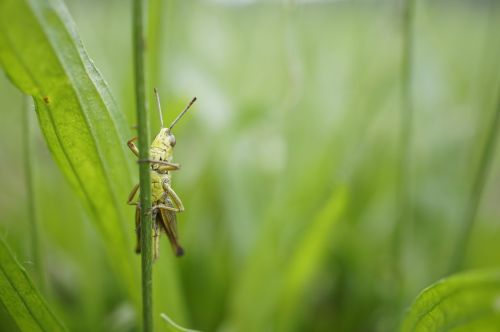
<point>165,139</point>
<point>162,147</point>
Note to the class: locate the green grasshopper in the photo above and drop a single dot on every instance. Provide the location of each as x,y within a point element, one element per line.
<point>166,203</point>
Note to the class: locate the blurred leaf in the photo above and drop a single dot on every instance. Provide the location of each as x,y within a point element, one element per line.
<point>278,282</point>
<point>21,299</point>
<point>172,326</point>
<point>43,56</point>
<point>468,301</point>
<point>308,255</point>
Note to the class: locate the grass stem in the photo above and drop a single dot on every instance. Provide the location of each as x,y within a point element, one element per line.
<point>476,191</point>
<point>139,42</point>
<point>403,199</point>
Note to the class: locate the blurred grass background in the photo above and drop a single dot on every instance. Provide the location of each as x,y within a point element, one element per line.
<point>290,162</point>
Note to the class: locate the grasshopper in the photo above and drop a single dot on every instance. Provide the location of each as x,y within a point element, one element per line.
<point>166,203</point>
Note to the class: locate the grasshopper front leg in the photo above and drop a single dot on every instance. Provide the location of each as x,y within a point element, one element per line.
<point>132,145</point>
<point>130,200</point>
<point>163,166</point>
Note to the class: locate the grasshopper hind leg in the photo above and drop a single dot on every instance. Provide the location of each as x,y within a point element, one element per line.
<point>156,232</point>
<point>169,226</point>
<point>138,229</point>
<point>156,235</point>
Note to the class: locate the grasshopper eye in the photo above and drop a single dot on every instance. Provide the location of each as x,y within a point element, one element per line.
<point>171,139</point>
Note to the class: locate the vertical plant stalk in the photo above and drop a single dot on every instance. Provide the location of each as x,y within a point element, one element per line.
<point>139,42</point>
<point>403,199</point>
<point>477,190</point>
<point>34,232</point>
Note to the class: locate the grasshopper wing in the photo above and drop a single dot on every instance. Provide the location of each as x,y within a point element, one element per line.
<point>169,225</point>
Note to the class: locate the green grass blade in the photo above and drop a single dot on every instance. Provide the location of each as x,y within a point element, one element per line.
<point>275,285</point>
<point>174,327</point>
<point>476,193</point>
<point>308,257</point>
<point>43,56</point>
<point>21,299</point>
<point>468,301</point>
<point>403,197</point>
<point>34,226</point>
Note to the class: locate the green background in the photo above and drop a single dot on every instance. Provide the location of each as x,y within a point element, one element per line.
<point>290,163</point>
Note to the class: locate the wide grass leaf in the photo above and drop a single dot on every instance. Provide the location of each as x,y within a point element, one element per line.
<point>21,299</point>
<point>43,56</point>
<point>468,301</point>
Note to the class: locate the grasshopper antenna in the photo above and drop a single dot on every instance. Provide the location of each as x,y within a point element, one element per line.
<point>182,113</point>
<point>159,106</point>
